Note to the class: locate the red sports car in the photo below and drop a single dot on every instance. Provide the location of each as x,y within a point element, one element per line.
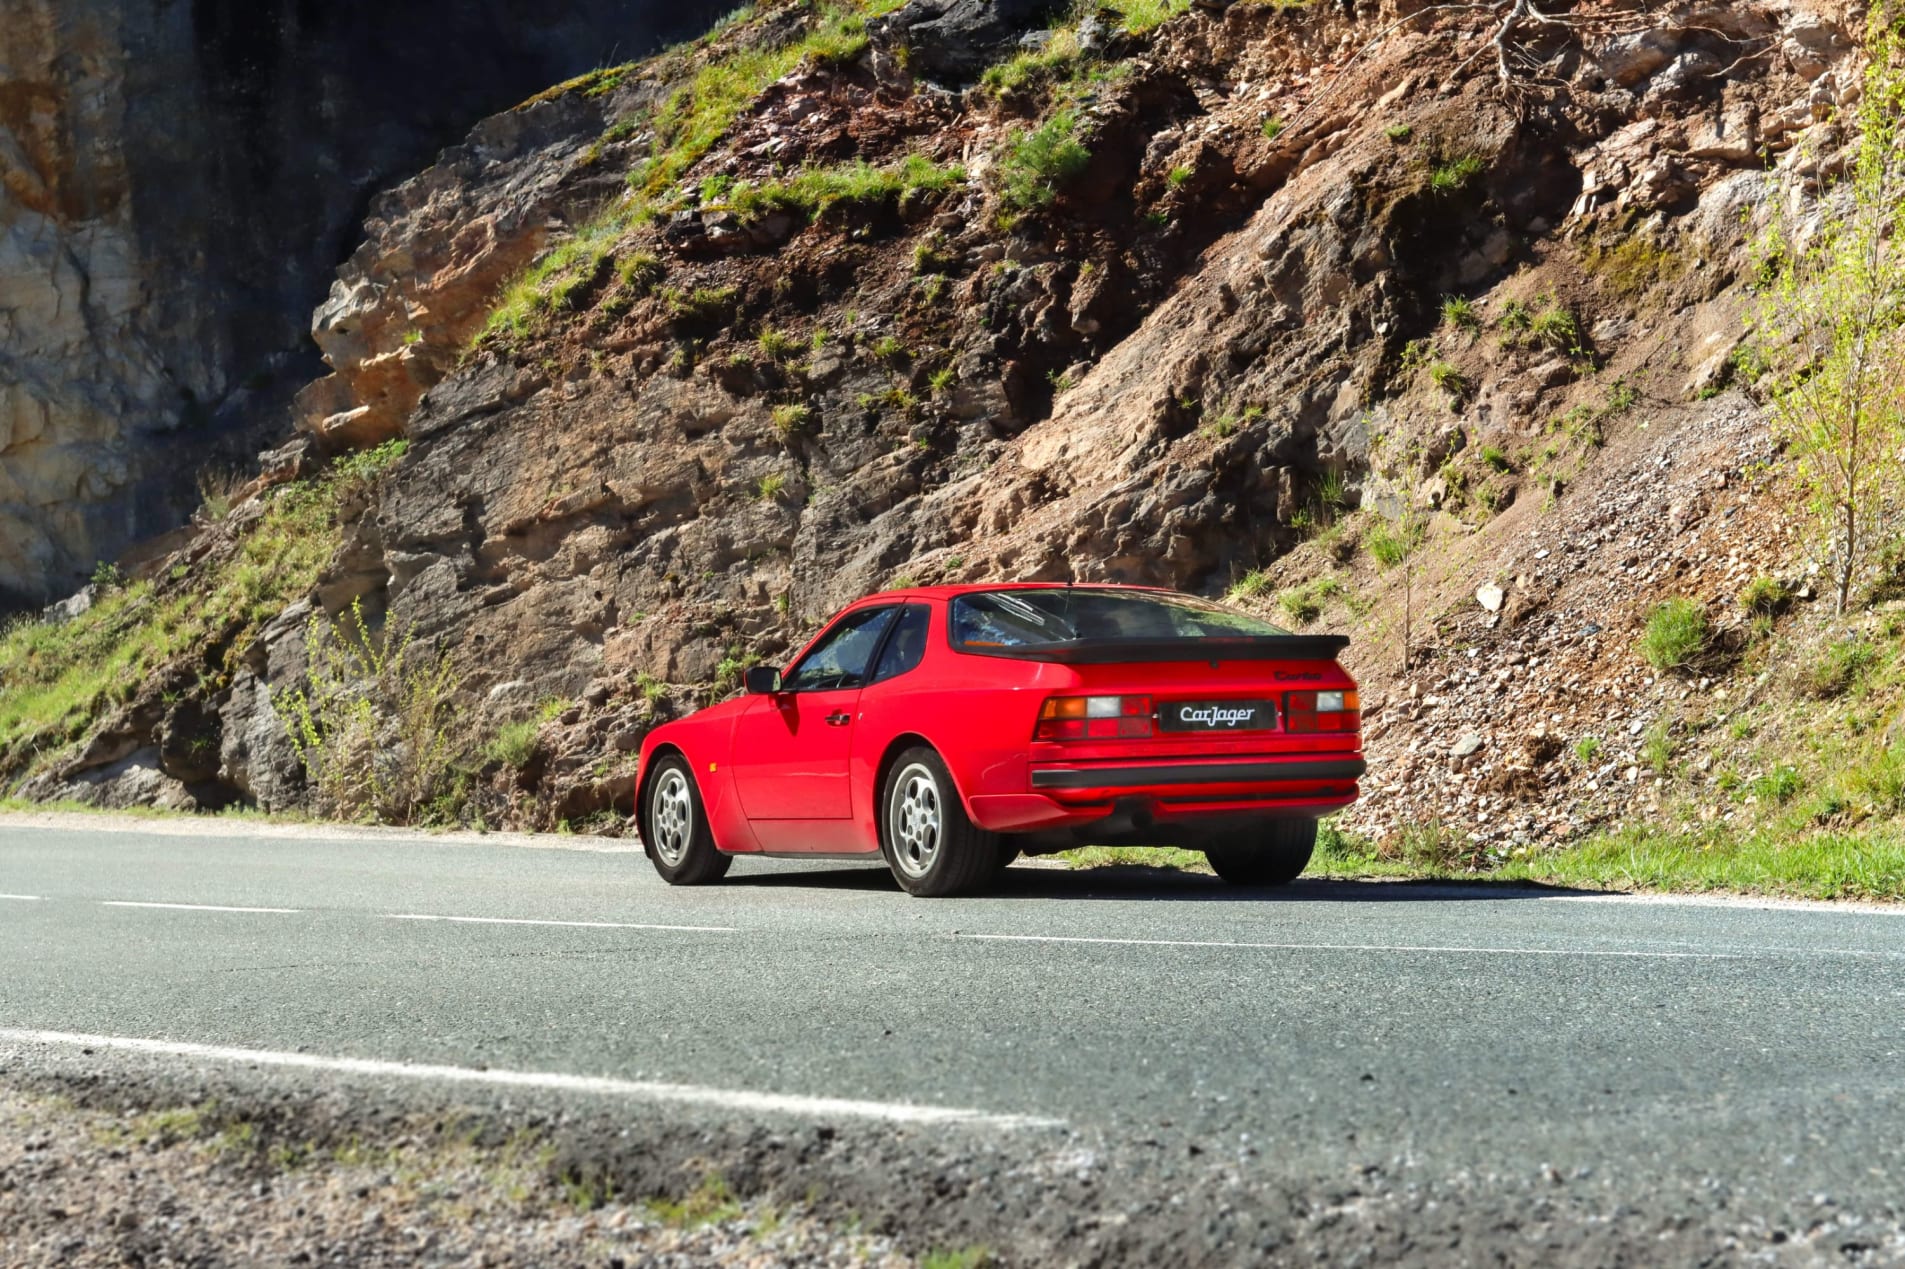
<point>950,728</point>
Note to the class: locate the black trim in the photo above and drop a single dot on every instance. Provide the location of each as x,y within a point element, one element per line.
<point>1113,651</point>
<point>1198,773</point>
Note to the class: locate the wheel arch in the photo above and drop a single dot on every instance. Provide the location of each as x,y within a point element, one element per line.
<point>894,748</point>
<point>662,750</point>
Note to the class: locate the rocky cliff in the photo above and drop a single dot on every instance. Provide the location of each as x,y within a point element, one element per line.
<point>690,351</point>
<point>177,182</point>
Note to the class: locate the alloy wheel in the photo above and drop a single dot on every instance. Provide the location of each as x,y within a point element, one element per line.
<point>914,822</point>
<point>671,816</point>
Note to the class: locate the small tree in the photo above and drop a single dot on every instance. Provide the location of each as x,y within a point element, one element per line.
<point>1833,320</point>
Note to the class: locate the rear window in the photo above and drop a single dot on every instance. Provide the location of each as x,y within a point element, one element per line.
<point>1035,618</point>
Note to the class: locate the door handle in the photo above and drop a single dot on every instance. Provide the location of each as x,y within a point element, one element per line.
<point>839,720</point>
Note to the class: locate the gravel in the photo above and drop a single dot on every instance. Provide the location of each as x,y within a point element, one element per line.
<point>190,1186</point>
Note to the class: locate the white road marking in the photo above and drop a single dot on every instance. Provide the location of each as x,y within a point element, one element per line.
<point>645,1090</point>
<point>24,898</point>
<point>583,925</point>
<point>1361,947</point>
<point>190,907</point>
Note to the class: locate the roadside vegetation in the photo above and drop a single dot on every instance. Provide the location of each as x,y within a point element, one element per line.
<point>58,678</point>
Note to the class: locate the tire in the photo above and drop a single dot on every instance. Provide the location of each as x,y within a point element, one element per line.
<point>675,828</point>
<point>933,849</point>
<point>1273,855</point>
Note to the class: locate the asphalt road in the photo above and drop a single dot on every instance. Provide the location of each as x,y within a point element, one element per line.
<point>1741,1060</point>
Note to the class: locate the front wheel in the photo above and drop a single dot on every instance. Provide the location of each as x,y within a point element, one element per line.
<point>932,847</point>
<point>1274,854</point>
<point>675,828</point>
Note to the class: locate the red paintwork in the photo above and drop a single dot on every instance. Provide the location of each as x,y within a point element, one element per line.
<point>774,778</point>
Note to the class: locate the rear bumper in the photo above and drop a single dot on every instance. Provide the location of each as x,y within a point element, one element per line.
<point>1117,780</point>
<point>1163,794</point>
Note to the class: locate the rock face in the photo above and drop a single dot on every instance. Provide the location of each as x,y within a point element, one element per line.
<point>711,422</point>
<point>177,182</point>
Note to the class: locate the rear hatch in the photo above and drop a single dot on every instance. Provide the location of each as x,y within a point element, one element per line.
<point>1154,674</point>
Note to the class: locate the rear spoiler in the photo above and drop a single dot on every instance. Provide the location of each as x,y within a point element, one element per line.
<point>1109,651</point>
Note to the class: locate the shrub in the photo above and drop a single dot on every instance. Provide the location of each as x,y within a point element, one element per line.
<point>770,487</point>
<point>1177,176</point>
<point>1587,749</point>
<point>1272,128</point>
<point>378,727</point>
<point>1496,457</point>
<point>1038,163</point>
<point>1676,634</point>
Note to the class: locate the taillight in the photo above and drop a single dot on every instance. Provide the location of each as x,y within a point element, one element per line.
<point>1321,711</point>
<point>1094,718</point>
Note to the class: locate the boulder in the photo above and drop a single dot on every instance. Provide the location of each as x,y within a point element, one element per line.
<point>954,40</point>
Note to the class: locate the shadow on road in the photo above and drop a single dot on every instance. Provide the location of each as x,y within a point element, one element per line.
<point>1127,882</point>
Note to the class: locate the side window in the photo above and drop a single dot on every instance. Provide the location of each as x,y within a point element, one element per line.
<point>907,646</point>
<point>840,658</point>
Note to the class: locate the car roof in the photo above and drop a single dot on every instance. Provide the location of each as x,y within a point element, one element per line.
<point>969,588</point>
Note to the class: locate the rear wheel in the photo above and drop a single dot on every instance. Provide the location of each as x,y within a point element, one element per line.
<point>933,849</point>
<point>1272,855</point>
<point>675,828</point>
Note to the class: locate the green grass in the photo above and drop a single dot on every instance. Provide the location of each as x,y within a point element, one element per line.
<point>1676,633</point>
<point>792,418</point>
<point>1835,670</point>
<point>815,192</point>
<point>1496,458</point>
<point>1448,378</point>
<point>1763,595</point>
<point>1033,69</point>
<point>1390,544</point>
<point>1038,163</point>
<point>1820,865</point>
<point>1304,604</point>
<point>1135,857</point>
<point>1143,16</point>
<point>770,487</point>
<point>1460,311</point>
<point>1272,128</point>
<point>1252,584</point>
<point>56,680</point>
<point>1453,175</point>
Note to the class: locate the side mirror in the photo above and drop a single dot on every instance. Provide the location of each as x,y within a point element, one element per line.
<point>761,679</point>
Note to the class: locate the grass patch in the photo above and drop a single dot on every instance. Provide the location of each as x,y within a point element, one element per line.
<point>1390,544</point>
<point>1135,857</point>
<point>1038,163</point>
<point>1460,311</point>
<point>711,1202</point>
<point>1033,69</point>
<point>1677,632</point>
<point>1452,175</point>
<point>56,680</point>
<point>812,193</point>
<point>1304,604</point>
<point>1140,17</point>
<point>1836,670</point>
<point>1633,265</point>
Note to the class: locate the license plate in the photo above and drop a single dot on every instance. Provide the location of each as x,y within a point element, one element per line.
<point>1217,716</point>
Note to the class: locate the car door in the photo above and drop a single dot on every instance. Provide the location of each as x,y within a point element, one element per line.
<point>791,747</point>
